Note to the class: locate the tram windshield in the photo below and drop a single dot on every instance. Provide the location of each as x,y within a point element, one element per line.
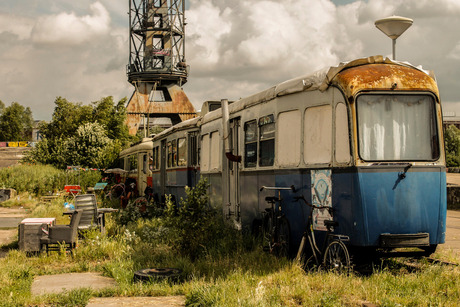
<point>394,127</point>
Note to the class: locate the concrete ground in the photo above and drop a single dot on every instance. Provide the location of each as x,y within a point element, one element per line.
<point>453,178</point>
<point>9,220</point>
<point>69,281</point>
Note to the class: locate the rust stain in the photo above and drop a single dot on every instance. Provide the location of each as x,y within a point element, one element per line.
<point>139,103</point>
<point>383,77</point>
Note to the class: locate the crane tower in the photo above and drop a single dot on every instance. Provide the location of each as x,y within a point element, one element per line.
<point>157,67</point>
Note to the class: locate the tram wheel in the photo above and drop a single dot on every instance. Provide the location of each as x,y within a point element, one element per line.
<point>157,274</point>
<point>336,257</point>
<point>429,250</point>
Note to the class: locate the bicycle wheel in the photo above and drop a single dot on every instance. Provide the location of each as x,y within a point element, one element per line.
<point>336,257</point>
<point>283,237</point>
<point>141,203</point>
<point>268,236</point>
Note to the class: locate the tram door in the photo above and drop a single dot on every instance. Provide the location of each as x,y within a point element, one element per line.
<point>163,168</point>
<point>233,171</point>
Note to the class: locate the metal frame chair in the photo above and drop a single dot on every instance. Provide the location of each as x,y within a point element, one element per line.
<point>60,235</point>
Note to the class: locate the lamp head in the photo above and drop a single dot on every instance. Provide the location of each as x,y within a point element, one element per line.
<point>393,26</point>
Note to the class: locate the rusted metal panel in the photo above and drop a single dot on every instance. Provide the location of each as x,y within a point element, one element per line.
<point>139,105</point>
<point>383,77</point>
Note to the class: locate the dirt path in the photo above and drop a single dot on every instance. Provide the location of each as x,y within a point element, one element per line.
<point>9,218</point>
<point>453,178</point>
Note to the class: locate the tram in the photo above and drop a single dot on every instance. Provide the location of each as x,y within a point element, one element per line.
<point>137,162</point>
<point>364,137</point>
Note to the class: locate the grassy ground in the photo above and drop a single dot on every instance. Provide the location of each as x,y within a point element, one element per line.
<point>242,275</point>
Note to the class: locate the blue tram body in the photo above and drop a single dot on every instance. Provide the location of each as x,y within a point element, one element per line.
<point>364,137</point>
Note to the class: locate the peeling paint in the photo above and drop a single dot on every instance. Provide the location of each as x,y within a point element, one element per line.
<point>383,77</point>
<point>139,105</point>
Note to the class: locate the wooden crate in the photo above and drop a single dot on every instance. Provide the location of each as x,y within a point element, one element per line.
<point>29,236</point>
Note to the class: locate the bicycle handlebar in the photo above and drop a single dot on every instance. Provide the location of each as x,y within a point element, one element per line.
<point>292,188</point>
<point>297,198</point>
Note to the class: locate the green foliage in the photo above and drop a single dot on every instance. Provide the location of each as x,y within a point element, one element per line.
<point>44,179</point>
<point>91,146</point>
<point>195,227</point>
<point>15,123</point>
<point>239,277</point>
<point>139,208</point>
<point>452,141</point>
<point>85,135</point>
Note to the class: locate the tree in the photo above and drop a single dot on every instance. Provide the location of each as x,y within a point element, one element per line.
<point>452,141</point>
<point>86,135</point>
<point>113,117</point>
<point>2,106</point>
<point>92,147</point>
<point>66,119</point>
<point>15,123</point>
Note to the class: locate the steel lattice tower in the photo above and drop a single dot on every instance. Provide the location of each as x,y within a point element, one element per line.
<point>157,66</point>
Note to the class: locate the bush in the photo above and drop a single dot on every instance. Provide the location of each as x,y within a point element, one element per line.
<point>452,141</point>
<point>195,227</point>
<point>44,179</point>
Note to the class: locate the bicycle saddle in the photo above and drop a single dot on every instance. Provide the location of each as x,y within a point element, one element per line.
<point>271,199</point>
<point>330,223</point>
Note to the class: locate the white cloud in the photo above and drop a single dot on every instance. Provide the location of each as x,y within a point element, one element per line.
<point>17,25</point>
<point>68,28</point>
<point>79,49</point>
<point>80,57</point>
<point>251,45</point>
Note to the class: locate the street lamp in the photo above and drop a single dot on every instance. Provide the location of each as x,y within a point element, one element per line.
<point>393,27</point>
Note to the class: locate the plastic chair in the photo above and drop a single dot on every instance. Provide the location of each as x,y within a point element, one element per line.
<point>90,218</point>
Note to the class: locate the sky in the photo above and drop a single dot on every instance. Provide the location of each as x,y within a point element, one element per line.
<point>79,49</point>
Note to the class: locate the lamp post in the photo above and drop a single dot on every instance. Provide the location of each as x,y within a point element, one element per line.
<point>393,27</point>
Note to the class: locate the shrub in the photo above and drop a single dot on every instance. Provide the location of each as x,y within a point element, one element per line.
<point>195,227</point>
<point>44,179</point>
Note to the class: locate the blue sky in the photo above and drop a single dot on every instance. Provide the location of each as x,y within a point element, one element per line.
<point>79,49</point>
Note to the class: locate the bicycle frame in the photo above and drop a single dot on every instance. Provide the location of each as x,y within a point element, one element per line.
<point>320,254</point>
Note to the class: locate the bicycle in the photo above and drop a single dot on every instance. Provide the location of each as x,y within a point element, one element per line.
<point>275,226</point>
<point>116,191</point>
<point>333,254</point>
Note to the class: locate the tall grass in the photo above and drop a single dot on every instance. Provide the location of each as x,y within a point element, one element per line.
<point>240,277</point>
<point>44,179</point>
<point>232,271</point>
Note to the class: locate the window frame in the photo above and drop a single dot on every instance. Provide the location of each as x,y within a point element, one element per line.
<point>433,124</point>
<point>253,141</point>
<point>266,121</point>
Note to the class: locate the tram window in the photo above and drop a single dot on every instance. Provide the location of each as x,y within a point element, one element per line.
<point>133,162</point>
<point>250,144</point>
<point>397,128</point>
<point>193,150</point>
<point>170,154</point>
<point>215,152</point>
<point>288,138</point>
<point>156,158</point>
<point>342,144</point>
<point>204,165</point>
<point>267,140</point>
<point>174,153</point>
<point>181,152</point>
<point>120,163</point>
<point>318,134</point>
